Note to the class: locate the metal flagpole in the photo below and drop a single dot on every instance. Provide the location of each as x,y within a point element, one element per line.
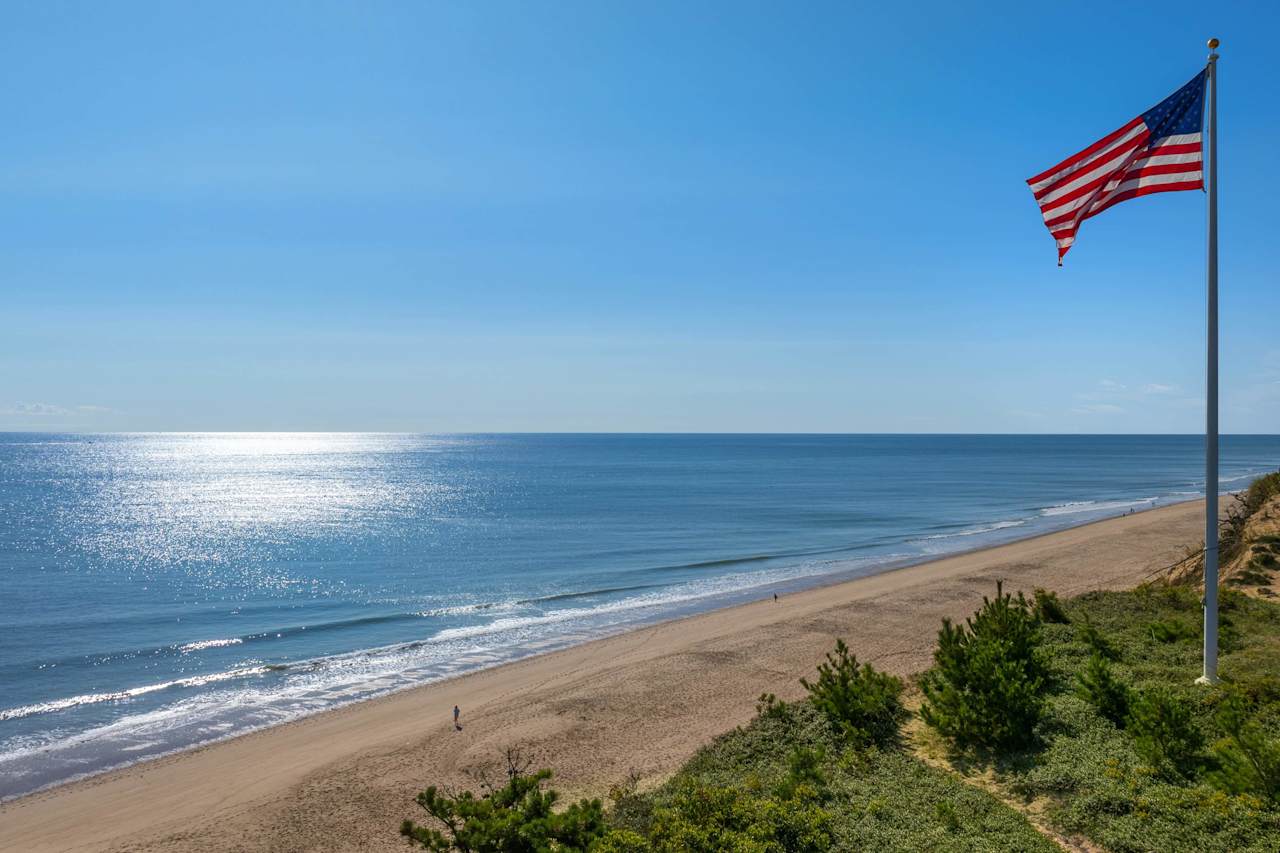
<point>1210,675</point>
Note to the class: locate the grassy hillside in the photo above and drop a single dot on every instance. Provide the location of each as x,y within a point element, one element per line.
<point>1081,780</point>
<point>1085,773</point>
<point>874,799</point>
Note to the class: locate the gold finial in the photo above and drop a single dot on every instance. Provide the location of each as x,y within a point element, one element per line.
<point>1213,44</point>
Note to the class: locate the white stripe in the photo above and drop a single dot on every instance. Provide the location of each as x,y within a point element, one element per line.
<point>1165,159</point>
<point>1080,180</point>
<point>1133,131</point>
<point>1176,139</point>
<point>1077,204</point>
<point>1147,181</point>
<point>1051,211</point>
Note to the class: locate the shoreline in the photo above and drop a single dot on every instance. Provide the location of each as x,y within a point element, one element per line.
<point>843,570</point>
<point>641,700</point>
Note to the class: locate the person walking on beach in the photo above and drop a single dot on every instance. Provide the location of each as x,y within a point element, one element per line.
<point>456,725</point>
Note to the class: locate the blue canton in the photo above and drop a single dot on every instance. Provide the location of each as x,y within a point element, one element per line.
<point>1182,112</point>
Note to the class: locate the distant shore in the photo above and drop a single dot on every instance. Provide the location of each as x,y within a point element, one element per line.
<point>640,702</point>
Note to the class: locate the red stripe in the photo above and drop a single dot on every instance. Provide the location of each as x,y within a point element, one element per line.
<point>1089,188</point>
<point>1180,148</point>
<point>1137,142</point>
<point>1160,169</point>
<point>1088,152</point>
<point>1066,217</point>
<point>1116,199</point>
<point>1147,190</point>
<point>1131,172</point>
<point>1075,217</point>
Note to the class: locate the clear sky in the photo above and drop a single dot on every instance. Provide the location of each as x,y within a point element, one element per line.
<point>606,216</point>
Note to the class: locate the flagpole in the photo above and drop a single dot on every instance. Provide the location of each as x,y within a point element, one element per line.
<point>1210,675</point>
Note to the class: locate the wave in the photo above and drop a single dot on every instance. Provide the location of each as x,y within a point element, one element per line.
<point>1249,476</point>
<point>975,531</point>
<point>678,595</point>
<point>590,593</point>
<point>748,559</point>
<point>132,692</point>
<point>1076,507</point>
<point>589,617</point>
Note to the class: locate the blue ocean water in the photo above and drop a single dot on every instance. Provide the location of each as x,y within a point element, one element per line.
<point>163,590</point>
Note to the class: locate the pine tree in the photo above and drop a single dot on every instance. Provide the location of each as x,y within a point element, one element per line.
<point>862,704</point>
<point>988,676</point>
<point>1098,686</point>
<point>1248,761</point>
<point>514,818</point>
<point>1164,733</point>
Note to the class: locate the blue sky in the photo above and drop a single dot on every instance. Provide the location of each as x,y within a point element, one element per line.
<point>606,216</point>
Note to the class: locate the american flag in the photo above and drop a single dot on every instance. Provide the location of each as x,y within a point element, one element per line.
<point>1157,152</point>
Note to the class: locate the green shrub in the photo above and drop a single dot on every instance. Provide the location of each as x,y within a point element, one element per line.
<point>709,819</point>
<point>514,818</point>
<point>1250,577</point>
<point>770,708</point>
<point>622,841</point>
<point>985,688</point>
<point>1248,762</point>
<point>1164,733</point>
<point>1048,608</point>
<point>1170,630</point>
<point>804,778</point>
<point>1098,686</point>
<point>864,705</point>
<point>1095,640</point>
<point>946,813</point>
<point>1260,491</point>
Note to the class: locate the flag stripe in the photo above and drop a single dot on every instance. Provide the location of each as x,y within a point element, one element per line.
<point>1077,196</point>
<point>1134,137</point>
<point>1183,164</point>
<point>1114,159</point>
<point>1088,152</point>
<point>1178,173</point>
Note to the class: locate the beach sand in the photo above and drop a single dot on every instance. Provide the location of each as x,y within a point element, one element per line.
<point>639,702</point>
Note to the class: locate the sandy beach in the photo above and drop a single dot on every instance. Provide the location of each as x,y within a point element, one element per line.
<point>639,702</point>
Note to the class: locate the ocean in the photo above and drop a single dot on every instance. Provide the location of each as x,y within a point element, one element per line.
<point>163,590</point>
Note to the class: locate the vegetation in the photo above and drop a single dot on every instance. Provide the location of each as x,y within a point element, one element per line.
<point>1098,643</point>
<point>988,678</point>
<point>1127,753</point>
<point>513,818</point>
<point>1098,686</point>
<point>1248,761</point>
<point>1143,781</point>
<point>1259,492</point>
<point>1048,608</point>
<point>699,817</point>
<point>863,705</point>
<point>813,786</point>
<point>1164,733</point>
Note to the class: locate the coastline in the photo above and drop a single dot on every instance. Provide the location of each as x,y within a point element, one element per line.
<point>641,701</point>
